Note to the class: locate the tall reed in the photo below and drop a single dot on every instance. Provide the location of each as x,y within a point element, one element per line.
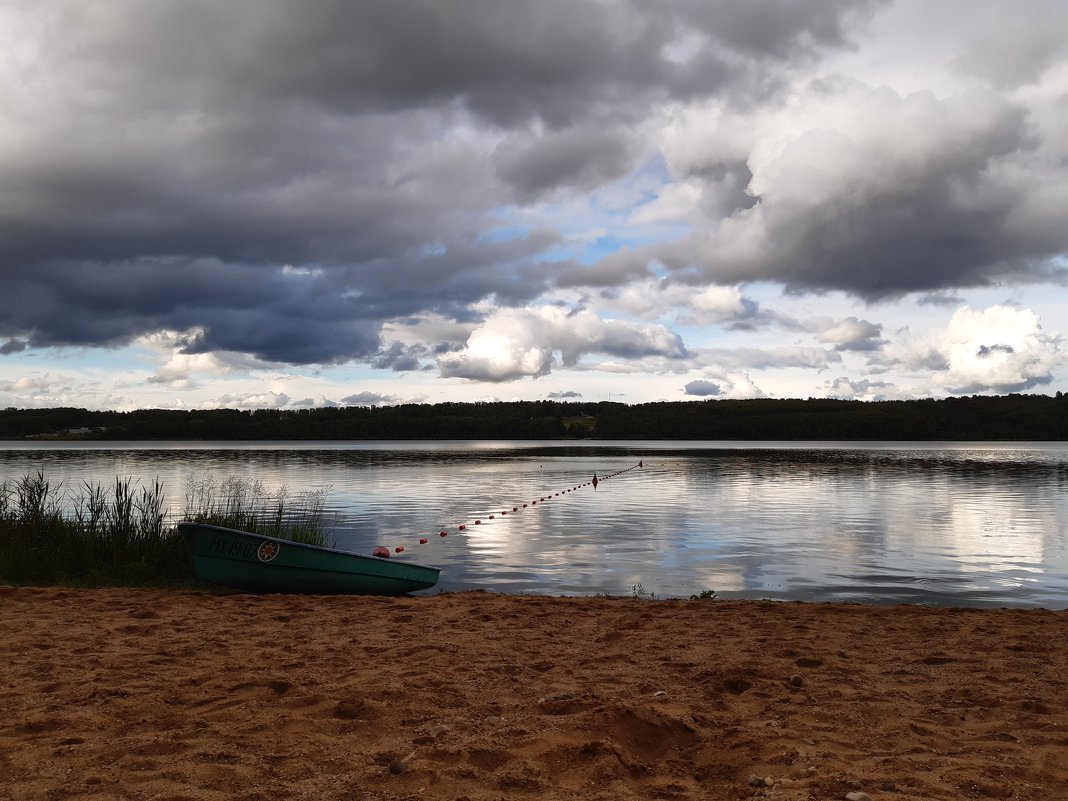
<point>96,538</point>
<point>119,535</point>
<point>248,505</point>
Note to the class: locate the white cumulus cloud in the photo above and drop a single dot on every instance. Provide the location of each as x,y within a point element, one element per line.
<point>517,343</point>
<point>997,349</point>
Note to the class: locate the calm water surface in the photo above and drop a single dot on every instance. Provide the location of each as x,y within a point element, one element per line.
<point>980,524</point>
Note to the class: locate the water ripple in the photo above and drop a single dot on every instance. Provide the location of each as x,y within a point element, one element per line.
<point>973,524</point>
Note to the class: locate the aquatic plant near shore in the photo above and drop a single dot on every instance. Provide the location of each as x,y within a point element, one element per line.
<point>118,536</point>
<point>248,505</point>
<point>98,538</point>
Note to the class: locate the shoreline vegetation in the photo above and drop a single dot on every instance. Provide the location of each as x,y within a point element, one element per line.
<point>976,418</point>
<point>117,536</point>
<point>92,537</point>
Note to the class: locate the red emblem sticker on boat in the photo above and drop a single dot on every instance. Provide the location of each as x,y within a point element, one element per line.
<point>268,551</point>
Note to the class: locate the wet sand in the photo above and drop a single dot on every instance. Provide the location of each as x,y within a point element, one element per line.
<point>130,694</point>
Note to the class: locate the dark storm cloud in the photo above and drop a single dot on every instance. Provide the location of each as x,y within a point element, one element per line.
<point>274,315</point>
<point>510,62</point>
<point>772,27</point>
<point>730,189</point>
<point>815,245</point>
<point>281,178</point>
<point>614,270</point>
<point>943,208</point>
<point>576,158</point>
<point>703,389</point>
<point>1002,387</point>
<point>940,299</point>
<point>398,357</point>
<point>12,346</point>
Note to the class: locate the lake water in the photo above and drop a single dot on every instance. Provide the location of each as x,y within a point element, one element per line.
<point>972,524</point>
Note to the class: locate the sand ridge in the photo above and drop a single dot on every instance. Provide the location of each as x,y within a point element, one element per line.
<point>183,696</point>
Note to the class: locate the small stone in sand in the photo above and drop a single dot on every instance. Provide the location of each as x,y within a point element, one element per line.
<point>858,797</point>
<point>397,766</point>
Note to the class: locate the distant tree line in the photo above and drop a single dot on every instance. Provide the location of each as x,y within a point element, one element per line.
<point>1008,417</point>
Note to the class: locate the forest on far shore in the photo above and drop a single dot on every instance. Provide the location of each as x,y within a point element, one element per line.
<point>979,417</point>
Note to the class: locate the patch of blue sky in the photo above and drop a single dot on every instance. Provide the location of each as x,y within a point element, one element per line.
<point>604,222</point>
<point>585,252</point>
<point>592,250</point>
<point>658,270</point>
<point>125,358</point>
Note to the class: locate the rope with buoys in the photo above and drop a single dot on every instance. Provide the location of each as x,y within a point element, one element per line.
<point>384,552</point>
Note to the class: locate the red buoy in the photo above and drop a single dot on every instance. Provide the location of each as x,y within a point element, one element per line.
<point>399,549</point>
<point>422,540</point>
<point>381,551</point>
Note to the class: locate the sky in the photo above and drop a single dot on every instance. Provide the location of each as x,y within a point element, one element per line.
<point>276,204</point>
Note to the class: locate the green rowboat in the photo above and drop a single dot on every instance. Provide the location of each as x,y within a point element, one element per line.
<point>257,563</point>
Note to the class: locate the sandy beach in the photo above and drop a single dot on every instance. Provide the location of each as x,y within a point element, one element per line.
<point>183,696</point>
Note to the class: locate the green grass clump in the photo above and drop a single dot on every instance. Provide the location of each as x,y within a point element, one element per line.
<point>119,536</point>
<point>248,505</point>
<point>111,538</point>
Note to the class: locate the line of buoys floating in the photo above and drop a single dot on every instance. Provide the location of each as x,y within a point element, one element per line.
<point>383,552</point>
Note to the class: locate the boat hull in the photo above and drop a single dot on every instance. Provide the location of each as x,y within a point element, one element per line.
<point>251,562</point>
